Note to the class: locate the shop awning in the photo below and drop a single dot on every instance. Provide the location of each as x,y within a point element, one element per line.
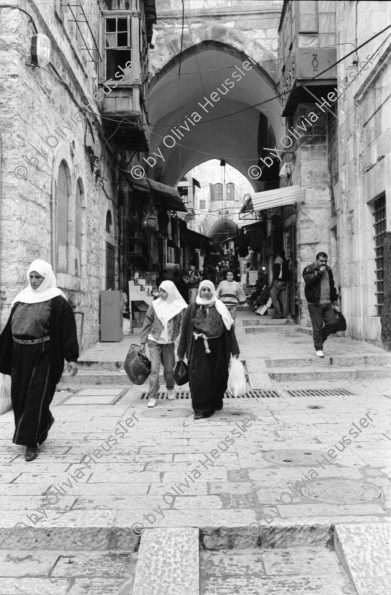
<point>196,239</point>
<point>271,199</point>
<point>169,195</point>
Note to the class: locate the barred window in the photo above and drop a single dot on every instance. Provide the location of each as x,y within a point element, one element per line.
<point>380,234</point>
<point>218,192</point>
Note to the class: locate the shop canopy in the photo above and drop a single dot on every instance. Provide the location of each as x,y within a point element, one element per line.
<point>271,199</point>
<point>169,196</point>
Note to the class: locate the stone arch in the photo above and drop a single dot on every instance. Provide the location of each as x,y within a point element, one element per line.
<point>245,118</point>
<point>237,53</point>
<point>261,49</point>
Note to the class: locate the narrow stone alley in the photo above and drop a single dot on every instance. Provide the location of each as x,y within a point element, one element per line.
<point>299,465</point>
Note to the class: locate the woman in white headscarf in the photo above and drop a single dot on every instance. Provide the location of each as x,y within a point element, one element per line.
<point>39,335</point>
<point>161,327</point>
<point>208,339</point>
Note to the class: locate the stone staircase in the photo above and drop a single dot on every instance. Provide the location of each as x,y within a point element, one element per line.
<point>330,368</point>
<point>352,359</point>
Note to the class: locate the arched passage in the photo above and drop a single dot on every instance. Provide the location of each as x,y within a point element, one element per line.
<point>203,106</point>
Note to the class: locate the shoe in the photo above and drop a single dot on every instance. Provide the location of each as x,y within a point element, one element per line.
<point>151,402</point>
<point>171,395</point>
<point>278,316</point>
<point>319,353</point>
<point>198,415</point>
<point>31,453</point>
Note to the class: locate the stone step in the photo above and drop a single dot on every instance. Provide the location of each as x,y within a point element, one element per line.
<point>168,563</point>
<point>95,377</point>
<point>329,373</point>
<point>266,321</point>
<point>365,552</point>
<point>286,328</point>
<point>357,359</point>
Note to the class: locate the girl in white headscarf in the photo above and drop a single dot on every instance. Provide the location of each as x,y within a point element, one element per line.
<point>39,335</point>
<point>161,327</point>
<point>208,339</point>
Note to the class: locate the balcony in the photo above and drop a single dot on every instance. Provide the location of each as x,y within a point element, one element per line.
<point>125,118</point>
<point>307,48</point>
<point>124,72</point>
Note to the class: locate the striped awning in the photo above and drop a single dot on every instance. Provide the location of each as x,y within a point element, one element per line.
<point>270,199</point>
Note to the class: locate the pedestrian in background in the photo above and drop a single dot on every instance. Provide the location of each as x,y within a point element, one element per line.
<point>231,294</point>
<point>207,338</point>
<point>193,281</point>
<point>160,329</point>
<point>321,295</point>
<point>39,335</point>
<point>280,285</point>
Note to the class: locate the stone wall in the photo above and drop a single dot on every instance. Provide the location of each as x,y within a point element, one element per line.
<point>313,223</point>
<point>249,26</point>
<point>364,154</point>
<point>42,125</point>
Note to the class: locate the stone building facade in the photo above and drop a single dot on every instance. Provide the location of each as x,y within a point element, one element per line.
<point>362,187</point>
<point>59,168</point>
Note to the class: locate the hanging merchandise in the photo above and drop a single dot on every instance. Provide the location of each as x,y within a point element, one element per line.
<point>150,220</point>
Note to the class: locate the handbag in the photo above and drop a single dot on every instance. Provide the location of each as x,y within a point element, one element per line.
<point>237,384</point>
<point>181,373</point>
<point>137,365</point>
<point>5,393</point>
<point>341,321</point>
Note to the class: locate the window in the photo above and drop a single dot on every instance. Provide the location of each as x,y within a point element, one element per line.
<point>63,192</point>
<point>109,222</point>
<point>79,229</point>
<point>308,16</point>
<point>380,234</point>
<point>118,46</point>
<point>217,192</point>
<point>202,205</point>
<point>230,191</point>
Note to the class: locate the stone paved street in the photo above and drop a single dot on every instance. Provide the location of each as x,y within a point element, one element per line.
<point>110,472</point>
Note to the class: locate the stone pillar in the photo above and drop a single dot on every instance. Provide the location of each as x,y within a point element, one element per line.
<point>312,173</point>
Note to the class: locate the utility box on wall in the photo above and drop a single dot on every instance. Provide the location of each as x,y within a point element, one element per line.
<point>111,325</point>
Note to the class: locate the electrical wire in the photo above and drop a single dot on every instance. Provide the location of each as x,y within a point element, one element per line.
<point>279,95</point>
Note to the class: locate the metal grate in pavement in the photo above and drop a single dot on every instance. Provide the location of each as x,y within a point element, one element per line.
<point>319,392</point>
<point>251,394</point>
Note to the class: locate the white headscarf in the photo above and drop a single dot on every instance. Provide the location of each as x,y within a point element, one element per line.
<point>170,307</point>
<point>220,307</point>
<point>46,291</point>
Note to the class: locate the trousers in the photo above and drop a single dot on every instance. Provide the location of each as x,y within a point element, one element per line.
<point>324,323</point>
<point>161,354</point>
<point>279,292</point>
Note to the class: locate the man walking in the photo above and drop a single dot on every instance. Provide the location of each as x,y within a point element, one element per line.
<point>320,294</point>
<point>280,284</point>
<point>193,281</point>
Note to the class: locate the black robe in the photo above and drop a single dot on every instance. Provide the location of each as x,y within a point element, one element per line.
<point>36,369</point>
<point>208,372</point>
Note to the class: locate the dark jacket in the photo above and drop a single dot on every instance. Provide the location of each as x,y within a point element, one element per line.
<point>185,342</point>
<point>312,277</point>
<point>153,326</point>
<point>63,335</point>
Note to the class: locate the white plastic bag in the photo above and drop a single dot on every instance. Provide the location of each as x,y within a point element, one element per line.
<point>5,393</point>
<point>237,379</point>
